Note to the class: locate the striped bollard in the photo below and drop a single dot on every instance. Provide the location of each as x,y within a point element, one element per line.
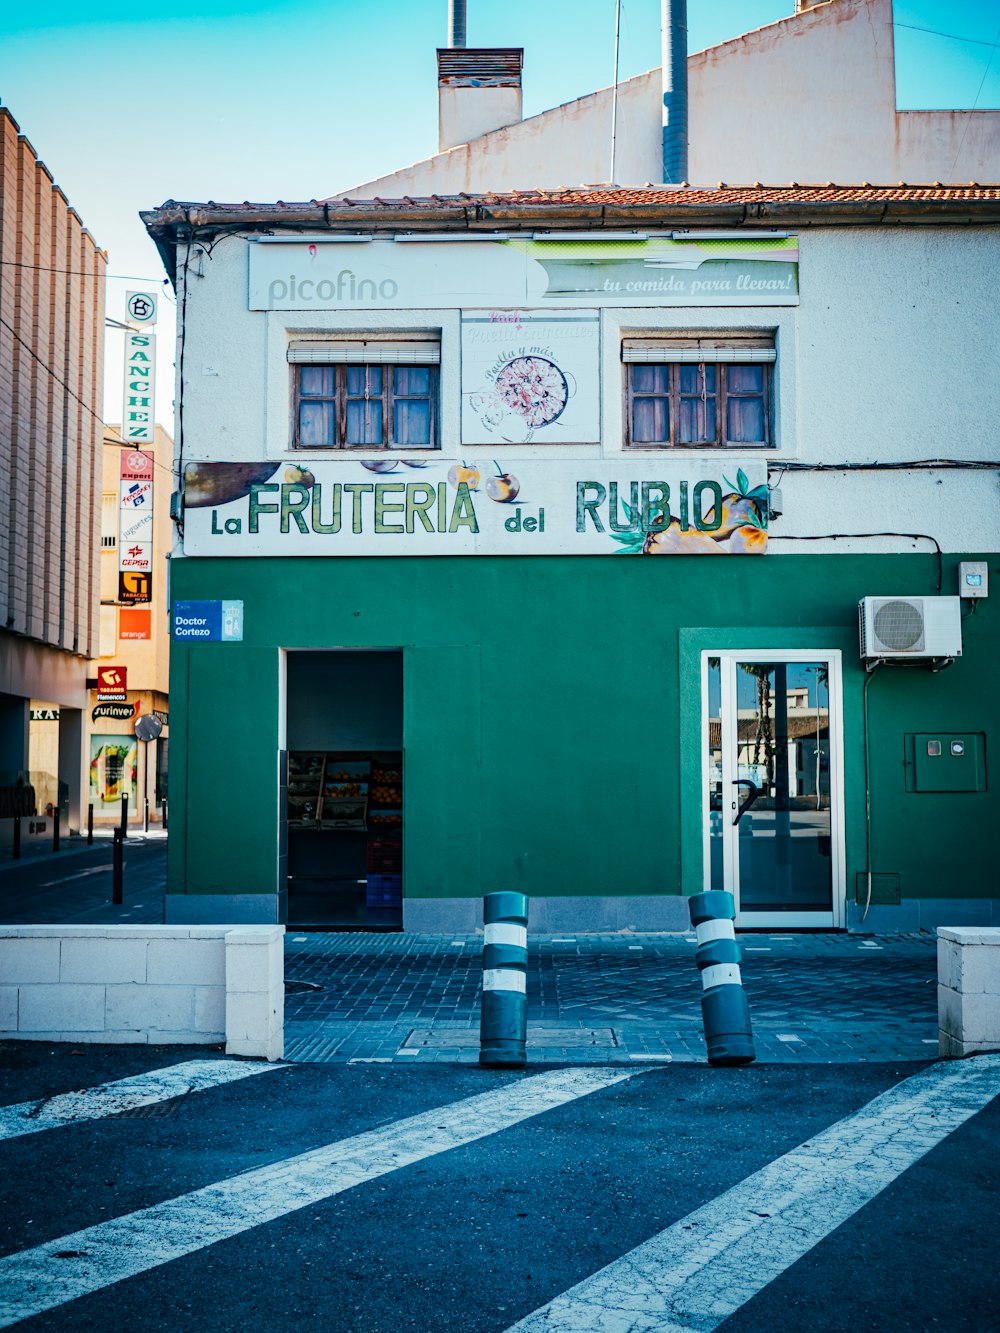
<point>503,1028</point>
<point>723,1000</point>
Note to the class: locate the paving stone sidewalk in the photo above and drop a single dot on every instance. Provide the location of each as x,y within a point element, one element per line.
<point>609,999</point>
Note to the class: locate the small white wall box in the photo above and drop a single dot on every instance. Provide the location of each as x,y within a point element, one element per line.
<point>973,579</point>
<point>910,627</point>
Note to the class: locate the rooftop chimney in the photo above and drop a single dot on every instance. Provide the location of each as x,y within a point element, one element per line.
<point>479,89</point>
<point>673,23</point>
<point>456,23</point>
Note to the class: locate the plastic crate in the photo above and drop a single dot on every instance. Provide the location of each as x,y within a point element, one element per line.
<point>385,857</point>
<point>384,891</point>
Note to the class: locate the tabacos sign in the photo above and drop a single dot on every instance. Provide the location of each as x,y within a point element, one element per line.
<point>399,507</point>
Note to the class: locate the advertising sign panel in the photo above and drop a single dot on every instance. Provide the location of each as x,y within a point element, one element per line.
<point>523,271</point>
<point>138,404</point>
<point>141,307</point>
<point>134,623</point>
<point>135,586</point>
<point>135,527</point>
<point>530,377</point>
<point>112,771</point>
<point>396,506</point>
<point>112,683</point>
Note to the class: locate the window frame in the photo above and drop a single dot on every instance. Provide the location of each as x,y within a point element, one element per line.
<point>720,351</point>
<point>367,354</point>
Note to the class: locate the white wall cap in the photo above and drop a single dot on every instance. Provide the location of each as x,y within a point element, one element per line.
<point>985,935</point>
<point>255,934</point>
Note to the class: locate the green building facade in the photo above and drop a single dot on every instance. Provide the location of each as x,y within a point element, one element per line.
<point>412,669</point>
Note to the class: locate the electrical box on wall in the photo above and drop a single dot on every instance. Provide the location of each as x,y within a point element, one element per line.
<point>939,761</point>
<point>973,579</point>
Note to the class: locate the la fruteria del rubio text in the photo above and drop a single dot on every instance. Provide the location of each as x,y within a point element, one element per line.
<point>400,506</point>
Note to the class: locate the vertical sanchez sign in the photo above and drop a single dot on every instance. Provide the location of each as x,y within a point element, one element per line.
<point>139,399</point>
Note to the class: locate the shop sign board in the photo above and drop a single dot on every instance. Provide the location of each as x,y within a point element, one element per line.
<point>44,715</point>
<point>112,683</point>
<point>139,398</point>
<point>208,622</point>
<point>135,527</point>
<point>530,377</point>
<point>407,274</point>
<point>135,586</point>
<point>397,507</point>
<point>120,712</point>
<point>141,307</point>
<point>135,623</point>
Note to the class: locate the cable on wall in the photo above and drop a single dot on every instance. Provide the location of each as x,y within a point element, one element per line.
<point>869,677</point>
<point>841,536</point>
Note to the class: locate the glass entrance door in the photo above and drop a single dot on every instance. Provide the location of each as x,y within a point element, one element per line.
<point>773,764</point>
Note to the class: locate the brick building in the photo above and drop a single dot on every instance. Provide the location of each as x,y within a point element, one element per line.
<point>51,376</point>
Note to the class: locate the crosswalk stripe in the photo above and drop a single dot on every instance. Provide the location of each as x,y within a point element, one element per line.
<point>699,1271</point>
<point>125,1094</point>
<point>39,1279</point>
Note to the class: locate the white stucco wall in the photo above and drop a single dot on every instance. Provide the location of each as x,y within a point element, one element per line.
<point>881,361</point>
<point>811,98</point>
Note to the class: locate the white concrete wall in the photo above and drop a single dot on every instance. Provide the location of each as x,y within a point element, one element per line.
<point>153,985</point>
<point>468,113</point>
<point>968,990</point>
<point>811,98</point>
<point>881,360</point>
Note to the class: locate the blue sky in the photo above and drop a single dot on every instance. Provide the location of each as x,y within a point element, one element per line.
<point>130,103</point>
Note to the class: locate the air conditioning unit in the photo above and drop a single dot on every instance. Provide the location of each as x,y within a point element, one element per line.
<point>910,627</point>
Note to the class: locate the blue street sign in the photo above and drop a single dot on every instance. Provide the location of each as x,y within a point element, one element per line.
<point>208,622</point>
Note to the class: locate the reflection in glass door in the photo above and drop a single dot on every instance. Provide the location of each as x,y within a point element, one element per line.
<point>772,764</point>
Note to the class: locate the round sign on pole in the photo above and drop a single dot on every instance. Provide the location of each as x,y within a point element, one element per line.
<point>141,307</point>
<point>147,727</point>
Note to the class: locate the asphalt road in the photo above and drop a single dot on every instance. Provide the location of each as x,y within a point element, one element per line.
<point>469,1219</point>
<point>74,886</point>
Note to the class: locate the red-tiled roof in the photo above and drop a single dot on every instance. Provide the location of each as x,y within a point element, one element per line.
<point>668,196</point>
<point>594,206</point>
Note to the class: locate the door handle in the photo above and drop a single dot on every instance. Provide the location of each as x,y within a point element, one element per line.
<point>745,805</point>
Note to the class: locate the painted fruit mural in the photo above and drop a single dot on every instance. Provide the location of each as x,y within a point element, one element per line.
<point>742,531</point>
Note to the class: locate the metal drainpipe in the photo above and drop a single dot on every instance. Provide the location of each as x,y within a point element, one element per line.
<point>673,25</point>
<point>456,23</point>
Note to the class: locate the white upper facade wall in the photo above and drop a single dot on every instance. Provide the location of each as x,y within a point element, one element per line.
<point>811,98</point>
<point>880,361</point>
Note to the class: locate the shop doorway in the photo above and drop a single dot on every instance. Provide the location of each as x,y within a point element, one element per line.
<point>773,764</point>
<point>343,796</point>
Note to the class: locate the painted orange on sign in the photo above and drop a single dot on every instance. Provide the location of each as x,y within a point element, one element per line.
<point>134,623</point>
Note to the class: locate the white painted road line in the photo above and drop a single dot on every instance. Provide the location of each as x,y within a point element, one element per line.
<point>36,1280</point>
<point>126,1094</point>
<point>699,1271</point>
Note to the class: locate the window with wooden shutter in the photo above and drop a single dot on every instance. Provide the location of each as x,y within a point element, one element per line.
<point>698,391</point>
<point>365,394</point>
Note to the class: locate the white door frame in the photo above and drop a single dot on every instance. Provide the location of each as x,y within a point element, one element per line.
<point>728,657</point>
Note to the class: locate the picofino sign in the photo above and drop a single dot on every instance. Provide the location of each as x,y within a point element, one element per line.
<point>546,273</point>
<point>398,507</point>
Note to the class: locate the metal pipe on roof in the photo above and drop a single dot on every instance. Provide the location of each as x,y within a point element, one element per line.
<point>456,23</point>
<point>673,32</point>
